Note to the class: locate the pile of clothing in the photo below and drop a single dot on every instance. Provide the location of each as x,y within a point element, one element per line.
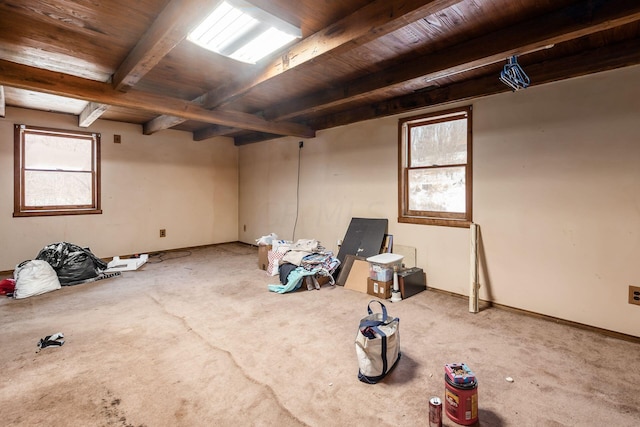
<point>305,260</point>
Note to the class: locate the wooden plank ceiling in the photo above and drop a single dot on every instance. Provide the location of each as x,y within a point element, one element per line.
<point>130,61</point>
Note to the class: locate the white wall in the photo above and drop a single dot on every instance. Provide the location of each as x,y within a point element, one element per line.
<point>556,179</point>
<point>148,182</point>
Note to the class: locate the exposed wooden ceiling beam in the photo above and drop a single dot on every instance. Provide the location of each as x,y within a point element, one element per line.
<point>91,113</point>
<point>253,138</point>
<point>212,131</point>
<point>37,79</point>
<point>567,24</point>
<point>170,28</point>
<point>597,60</point>
<point>372,21</point>
<point>160,123</point>
<point>2,102</point>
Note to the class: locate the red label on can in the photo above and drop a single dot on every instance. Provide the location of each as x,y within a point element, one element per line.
<point>435,412</point>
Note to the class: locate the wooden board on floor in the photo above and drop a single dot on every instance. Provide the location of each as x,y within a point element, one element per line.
<point>409,254</point>
<point>346,268</point>
<point>357,279</point>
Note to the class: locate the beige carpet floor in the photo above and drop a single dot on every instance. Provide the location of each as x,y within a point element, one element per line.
<point>199,341</point>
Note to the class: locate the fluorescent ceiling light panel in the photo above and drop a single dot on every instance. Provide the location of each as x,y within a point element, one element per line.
<point>243,32</point>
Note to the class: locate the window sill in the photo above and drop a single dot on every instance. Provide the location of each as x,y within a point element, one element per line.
<point>444,222</point>
<point>23,214</point>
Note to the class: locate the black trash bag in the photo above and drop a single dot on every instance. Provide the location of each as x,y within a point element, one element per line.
<point>72,264</point>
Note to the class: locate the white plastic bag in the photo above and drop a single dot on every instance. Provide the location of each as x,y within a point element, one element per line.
<point>34,278</point>
<point>274,256</point>
<point>267,240</point>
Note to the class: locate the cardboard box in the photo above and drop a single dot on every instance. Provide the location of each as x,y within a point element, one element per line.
<point>322,280</point>
<point>263,259</point>
<point>380,289</point>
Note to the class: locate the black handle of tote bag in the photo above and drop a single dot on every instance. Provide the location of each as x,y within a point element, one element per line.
<point>384,309</point>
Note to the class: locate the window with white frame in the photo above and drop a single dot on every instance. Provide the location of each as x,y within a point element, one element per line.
<point>435,175</point>
<point>56,172</point>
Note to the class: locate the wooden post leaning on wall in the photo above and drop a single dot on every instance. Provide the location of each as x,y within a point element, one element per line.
<point>473,266</point>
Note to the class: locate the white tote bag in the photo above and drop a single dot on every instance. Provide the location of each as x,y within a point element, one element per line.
<point>34,277</point>
<point>377,345</point>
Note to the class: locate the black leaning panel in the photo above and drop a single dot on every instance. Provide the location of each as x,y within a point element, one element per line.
<point>364,237</point>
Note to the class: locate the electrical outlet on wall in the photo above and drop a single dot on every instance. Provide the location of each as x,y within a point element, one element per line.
<point>634,295</point>
<point>163,232</point>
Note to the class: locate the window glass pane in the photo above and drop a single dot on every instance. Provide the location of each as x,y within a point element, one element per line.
<point>57,152</point>
<point>57,188</point>
<point>442,143</point>
<point>437,190</point>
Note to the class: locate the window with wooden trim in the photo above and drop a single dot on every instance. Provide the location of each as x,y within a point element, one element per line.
<point>435,175</point>
<point>56,172</point>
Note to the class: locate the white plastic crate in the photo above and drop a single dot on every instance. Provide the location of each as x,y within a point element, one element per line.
<point>381,266</point>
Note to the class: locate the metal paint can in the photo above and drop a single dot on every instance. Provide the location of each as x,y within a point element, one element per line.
<point>461,401</point>
<point>435,412</point>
